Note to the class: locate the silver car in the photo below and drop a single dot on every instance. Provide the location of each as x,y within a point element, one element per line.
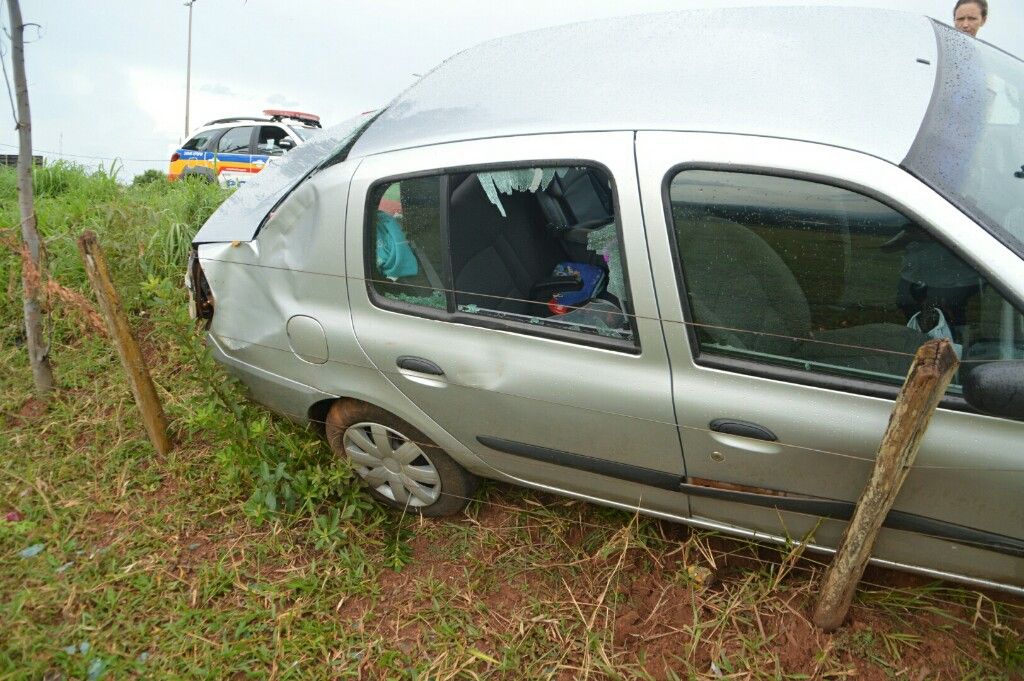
<point>675,263</point>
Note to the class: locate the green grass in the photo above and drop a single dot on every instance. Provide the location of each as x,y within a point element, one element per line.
<point>250,552</point>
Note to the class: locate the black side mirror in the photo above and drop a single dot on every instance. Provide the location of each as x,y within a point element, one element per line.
<point>286,143</point>
<point>997,388</point>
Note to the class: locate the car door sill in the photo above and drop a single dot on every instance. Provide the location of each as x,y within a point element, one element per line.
<point>843,510</point>
<point>776,499</point>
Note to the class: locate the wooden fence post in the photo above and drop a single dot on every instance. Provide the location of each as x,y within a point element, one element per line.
<point>929,376</point>
<point>127,347</point>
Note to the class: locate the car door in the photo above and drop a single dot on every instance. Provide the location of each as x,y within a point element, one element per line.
<point>268,145</point>
<point>442,239</point>
<point>233,159</point>
<point>795,282</point>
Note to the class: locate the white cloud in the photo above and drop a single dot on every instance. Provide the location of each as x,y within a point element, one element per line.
<point>80,83</point>
<point>160,95</point>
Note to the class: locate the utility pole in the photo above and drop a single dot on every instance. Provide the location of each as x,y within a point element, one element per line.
<point>31,269</point>
<point>188,68</point>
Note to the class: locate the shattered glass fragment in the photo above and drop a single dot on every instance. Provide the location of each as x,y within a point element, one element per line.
<point>519,180</point>
<point>32,551</point>
<point>605,242</point>
<point>96,669</point>
<point>436,299</point>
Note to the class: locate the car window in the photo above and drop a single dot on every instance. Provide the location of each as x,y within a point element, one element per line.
<point>407,248</point>
<point>971,143</point>
<point>537,248</point>
<point>269,140</point>
<point>810,276</point>
<point>235,141</point>
<point>199,141</point>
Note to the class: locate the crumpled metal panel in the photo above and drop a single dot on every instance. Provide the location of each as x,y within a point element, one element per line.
<point>841,76</point>
<point>240,215</point>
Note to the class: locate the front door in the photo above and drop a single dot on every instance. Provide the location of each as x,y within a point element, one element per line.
<point>796,287</point>
<point>233,160</point>
<point>506,290</point>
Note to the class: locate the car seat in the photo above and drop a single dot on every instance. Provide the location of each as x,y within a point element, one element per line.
<point>576,198</point>
<point>497,261</point>
<point>743,296</point>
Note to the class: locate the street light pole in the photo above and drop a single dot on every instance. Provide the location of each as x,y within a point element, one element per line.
<point>188,68</point>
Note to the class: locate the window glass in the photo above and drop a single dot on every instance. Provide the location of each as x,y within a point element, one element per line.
<point>407,246</point>
<point>815,277</point>
<point>971,144</point>
<point>269,140</point>
<point>235,141</point>
<point>535,246</point>
<point>198,142</point>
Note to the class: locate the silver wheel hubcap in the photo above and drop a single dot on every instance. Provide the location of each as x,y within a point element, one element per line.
<point>392,464</point>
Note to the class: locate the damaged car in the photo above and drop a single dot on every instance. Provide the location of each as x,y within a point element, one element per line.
<point>676,264</point>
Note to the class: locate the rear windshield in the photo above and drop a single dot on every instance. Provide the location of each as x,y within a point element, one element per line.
<point>199,141</point>
<point>971,145</point>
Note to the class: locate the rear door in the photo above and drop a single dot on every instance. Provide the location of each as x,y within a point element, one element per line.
<point>233,158</point>
<point>452,246</point>
<point>795,281</point>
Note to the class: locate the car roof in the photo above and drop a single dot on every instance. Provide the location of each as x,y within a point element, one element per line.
<point>222,123</point>
<point>855,78</point>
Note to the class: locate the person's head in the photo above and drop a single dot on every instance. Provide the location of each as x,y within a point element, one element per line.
<point>970,15</point>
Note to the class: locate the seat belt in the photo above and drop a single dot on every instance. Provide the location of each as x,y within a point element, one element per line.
<point>428,267</point>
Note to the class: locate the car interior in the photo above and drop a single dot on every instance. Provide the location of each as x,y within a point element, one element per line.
<point>525,252</point>
<point>747,299</point>
<point>819,278</point>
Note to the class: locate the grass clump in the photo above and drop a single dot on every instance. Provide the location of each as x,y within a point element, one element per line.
<point>250,552</point>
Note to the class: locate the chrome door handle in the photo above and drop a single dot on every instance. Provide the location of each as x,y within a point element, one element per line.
<point>419,365</point>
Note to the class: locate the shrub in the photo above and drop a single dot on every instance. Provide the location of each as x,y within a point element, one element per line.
<point>149,177</point>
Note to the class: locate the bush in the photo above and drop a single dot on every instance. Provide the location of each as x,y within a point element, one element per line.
<point>145,228</point>
<point>149,177</point>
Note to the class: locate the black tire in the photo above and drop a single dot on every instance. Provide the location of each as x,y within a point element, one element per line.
<point>455,486</point>
<point>197,176</point>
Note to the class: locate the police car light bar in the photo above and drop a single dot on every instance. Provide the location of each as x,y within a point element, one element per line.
<point>301,116</point>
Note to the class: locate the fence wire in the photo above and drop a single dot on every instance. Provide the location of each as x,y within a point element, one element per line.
<point>625,313</point>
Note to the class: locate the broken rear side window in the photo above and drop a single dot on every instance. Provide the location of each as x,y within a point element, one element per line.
<point>533,246</point>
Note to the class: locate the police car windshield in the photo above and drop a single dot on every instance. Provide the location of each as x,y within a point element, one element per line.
<point>971,145</point>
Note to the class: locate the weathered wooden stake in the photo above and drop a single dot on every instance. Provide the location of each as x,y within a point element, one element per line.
<point>127,347</point>
<point>929,376</point>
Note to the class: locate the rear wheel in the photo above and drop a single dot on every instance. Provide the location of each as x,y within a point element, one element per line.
<point>198,176</point>
<point>398,464</point>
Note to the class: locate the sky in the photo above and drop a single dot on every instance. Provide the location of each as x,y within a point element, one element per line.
<point>107,77</point>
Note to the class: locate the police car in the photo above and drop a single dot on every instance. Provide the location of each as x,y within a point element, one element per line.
<point>229,150</point>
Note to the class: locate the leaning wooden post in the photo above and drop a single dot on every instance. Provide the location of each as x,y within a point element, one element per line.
<point>124,340</point>
<point>929,376</point>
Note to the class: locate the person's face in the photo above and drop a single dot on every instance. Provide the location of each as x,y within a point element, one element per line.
<point>968,18</point>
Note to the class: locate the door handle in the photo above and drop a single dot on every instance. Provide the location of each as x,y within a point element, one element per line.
<point>419,365</point>
<point>742,429</point>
